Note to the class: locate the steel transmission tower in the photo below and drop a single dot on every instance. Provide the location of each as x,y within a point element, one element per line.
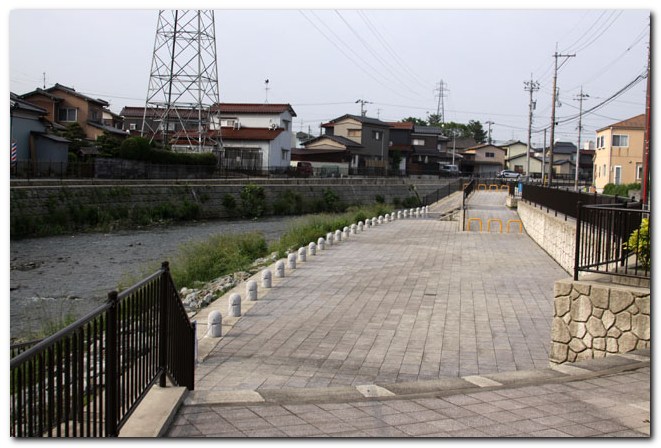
<point>183,83</point>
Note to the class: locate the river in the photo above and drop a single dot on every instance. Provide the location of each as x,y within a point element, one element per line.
<point>60,277</point>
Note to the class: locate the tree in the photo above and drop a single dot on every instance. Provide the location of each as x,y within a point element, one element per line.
<point>452,129</point>
<point>476,131</point>
<point>76,135</point>
<point>415,121</point>
<point>434,120</point>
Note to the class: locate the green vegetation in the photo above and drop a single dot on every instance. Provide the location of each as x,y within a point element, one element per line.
<point>621,190</point>
<point>138,148</point>
<point>217,256</point>
<point>253,201</point>
<point>639,243</point>
<point>310,228</point>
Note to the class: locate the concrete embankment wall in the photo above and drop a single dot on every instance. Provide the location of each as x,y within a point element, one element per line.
<point>596,315</point>
<point>39,199</point>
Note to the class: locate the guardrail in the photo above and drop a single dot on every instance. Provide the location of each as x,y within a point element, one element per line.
<point>565,201</point>
<point>86,380</point>
<point>613,240</point>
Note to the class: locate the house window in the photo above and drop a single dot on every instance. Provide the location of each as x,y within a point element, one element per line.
<point>133,126</point>
<point>600,142</point>
<point>377,135</point>
<point>518,168</point>
<point>603,170</point>
<point>353,132</point>
<point>617,174</point>
<point>489,154</point>
<point>418,142</point>
<point>639,171</point>
<point>620,140</point>
<point>67,114</point>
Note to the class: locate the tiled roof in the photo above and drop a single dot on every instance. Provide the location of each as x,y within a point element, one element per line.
<point>152,112</point>
<point>637,122</point>
<point>401,125</point>
<point>16,102</point>
<point>368,120</point>
<point>71,91</point>
<point>253,108</point>
<point>336,138</point>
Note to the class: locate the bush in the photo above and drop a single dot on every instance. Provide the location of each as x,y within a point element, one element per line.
<point>639,243</point>
<point>289,203</point>
<point>217,256</point>
<point>138,148</point>
<point>253,201</point>
<point>310,228</point>
<point>621,190</point>
<point>229,202</point>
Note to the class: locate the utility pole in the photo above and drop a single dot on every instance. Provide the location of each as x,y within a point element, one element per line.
<point>543,157</point>
<point>489,135</point>
<point>580,98</point>
<point>362,106</point>
<point>531,86</point>
<point>440,106</point>
<point>266,91</point>
<point>648,113</point>
<point>556,55</point>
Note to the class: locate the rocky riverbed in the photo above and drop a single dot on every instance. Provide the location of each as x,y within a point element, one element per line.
<point>64,277</point>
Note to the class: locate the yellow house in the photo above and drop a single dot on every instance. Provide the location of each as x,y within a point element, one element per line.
<point>618,157</point>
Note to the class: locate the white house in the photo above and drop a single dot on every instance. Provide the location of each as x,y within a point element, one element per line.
<point>254,136</point>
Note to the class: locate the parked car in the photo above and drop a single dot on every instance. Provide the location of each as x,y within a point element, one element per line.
<point>508,174</point>
<point>452,170</point>
<point>301,169</point>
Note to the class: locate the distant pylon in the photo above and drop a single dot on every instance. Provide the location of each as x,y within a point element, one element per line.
<point>183,82</point>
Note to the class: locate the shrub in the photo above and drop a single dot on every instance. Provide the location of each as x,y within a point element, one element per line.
<point>621,190</point>
<point>289,203</point>
<point>138,148</point>
<point>380,199</point>
<point>217,256</point>
<point>253,201</point>
<point>639,243</point>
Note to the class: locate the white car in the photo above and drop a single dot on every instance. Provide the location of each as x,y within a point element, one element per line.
<point>508,174</point>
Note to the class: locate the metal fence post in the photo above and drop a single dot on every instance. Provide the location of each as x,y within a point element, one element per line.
<point>112,365</point>
<point>163,328</point>
<point>577,251</point>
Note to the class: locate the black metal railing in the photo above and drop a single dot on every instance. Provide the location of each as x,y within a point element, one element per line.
<point>564,201</point>
<point>86,380</point>
<point>442,192</point>
<point>614,240</point>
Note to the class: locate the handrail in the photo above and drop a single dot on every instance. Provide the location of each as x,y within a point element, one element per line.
<point>86,379</point>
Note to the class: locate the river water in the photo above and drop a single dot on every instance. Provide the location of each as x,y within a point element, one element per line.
<point>62,276</point>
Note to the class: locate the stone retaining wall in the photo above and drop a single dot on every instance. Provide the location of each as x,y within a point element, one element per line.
<point>594,319</point>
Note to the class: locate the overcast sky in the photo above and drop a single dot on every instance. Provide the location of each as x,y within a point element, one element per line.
<point>323,61</point>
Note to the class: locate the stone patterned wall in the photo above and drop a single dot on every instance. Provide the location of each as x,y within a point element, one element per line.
<point>553,234</point>
<point>592,320</point>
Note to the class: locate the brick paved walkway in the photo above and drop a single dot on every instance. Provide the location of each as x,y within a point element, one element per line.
<point>408,300</point>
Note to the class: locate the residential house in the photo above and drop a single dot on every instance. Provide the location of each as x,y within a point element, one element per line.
<point>484,160</point>
<point>400,146</point>
<point>372,136</point>
<point>564,160</point>
<point>36,147</point>
<point>327,153</point>
<point>618,157</point>
<point>64,105</point>
<point>254,132</point>
<point>250,136</point>
<point>514,148</point>
<point>519,162</point>
<point>429,150</point>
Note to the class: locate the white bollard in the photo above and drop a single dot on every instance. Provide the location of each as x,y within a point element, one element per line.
<point>234,309</point>
<point>411,211</point>
<point>345,233</point>
<point>291,261</point>
<point>354,229</point>
<point>329,238</point>
<point>302,254</point>
<point>360,226</point>
<point>373,222</point>
<point>312,248</point>
<point>338,235</point>
<point>215,324</point>
<point>399,215</point>
<point>380,220</point>
<point>266,278</point>
<point>280,269</point>
<point>251,290</point>
<point>392,216</point>
<point>321,244</point>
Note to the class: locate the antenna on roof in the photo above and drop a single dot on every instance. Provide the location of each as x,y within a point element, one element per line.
<point>266,89</point>
<point>44,80</point>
